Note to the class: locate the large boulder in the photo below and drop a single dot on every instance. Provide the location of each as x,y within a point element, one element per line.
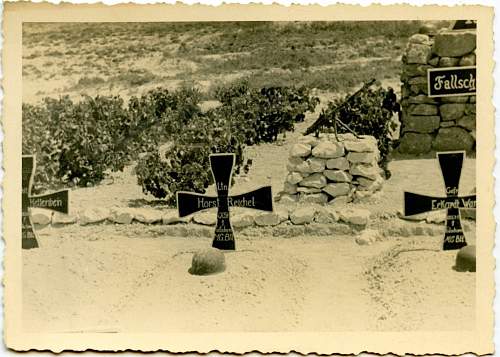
<point>453,138</point>
<point>243,219</point>
<point>207,261</point>
<point>454,43</point>
<point>328,150</point>
<point>415,143</point>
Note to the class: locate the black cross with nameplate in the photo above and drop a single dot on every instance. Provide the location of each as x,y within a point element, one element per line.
<point>451,168</point>
<point>56,201</point>
<point>222,168</point>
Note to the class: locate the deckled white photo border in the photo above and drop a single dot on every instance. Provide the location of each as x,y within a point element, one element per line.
<point>478,341</point>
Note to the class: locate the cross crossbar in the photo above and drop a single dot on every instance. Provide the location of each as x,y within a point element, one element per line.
<point>451,168</point>
<point>222,167</point>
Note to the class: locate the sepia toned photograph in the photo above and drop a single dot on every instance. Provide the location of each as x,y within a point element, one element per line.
<point>259,178</point>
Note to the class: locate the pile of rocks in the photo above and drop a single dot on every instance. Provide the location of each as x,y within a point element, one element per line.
<point>441,124</point>
<point>322,169</point>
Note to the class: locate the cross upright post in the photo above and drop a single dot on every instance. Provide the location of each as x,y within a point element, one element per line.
<point>451,168</point>
<point>222,168</point>
<point>56,201</point>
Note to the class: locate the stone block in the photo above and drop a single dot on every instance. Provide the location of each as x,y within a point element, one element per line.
<point>289,188</point>
<point>420,39</point>
<point>368,171</point>
<point>267,219</point>
<point>421,99</point>
<point>339,163</point>
<point>337,176</point>
<point>62,218</point>
<point>316,164</point>
<point>453,138</point>
<point>300,150</point>
<point>147,215</point>
<point>454,43</point>
<point>302,215</point>
<point>467,121</point>
<point>93,215</point>
<point>421,124</point>
<point>328,150</point>
<point>121,215</point>
<point>40,216</point>
<point>340,201</point>
<point>356,216</point>
<point>308,190</point>
<point>316,180</point>
<point>418,53</point>
<point>294,178</point>
<point>468,60</point>
<point>337,189</point>
<point>448,61</point>
<point>455,99</point>
<point>452,111</point>
<point>309,140</point>
<point>206,218</point>
<point>423,109</point>
<point>415,143</point>
<point>319,198</point>
<point>363,157</point>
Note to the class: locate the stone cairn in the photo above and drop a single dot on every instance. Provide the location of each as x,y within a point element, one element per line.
<point>441,124</point>
<point>324,170</point>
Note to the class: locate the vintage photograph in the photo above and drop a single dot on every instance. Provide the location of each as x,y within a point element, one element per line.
<point>249,177</point>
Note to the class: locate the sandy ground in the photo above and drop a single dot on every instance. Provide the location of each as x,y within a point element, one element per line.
<point>134,278</point>
<point>99,279</point>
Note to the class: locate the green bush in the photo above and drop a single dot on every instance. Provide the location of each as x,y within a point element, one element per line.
<point>368,113</point>
<point>78,143</point>
<point>186,166</point>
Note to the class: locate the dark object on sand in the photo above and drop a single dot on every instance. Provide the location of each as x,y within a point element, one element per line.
<point>466,259</point>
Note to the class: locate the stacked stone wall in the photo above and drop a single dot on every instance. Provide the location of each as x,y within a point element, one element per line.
<point>323,170</point>
<point>440,124</point>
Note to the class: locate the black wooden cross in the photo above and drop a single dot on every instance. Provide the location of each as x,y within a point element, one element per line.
<point>451,168</point>
<point>222,168</point>
<point>57,201</point>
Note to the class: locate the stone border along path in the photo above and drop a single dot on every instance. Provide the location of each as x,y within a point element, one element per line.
<point>289,221</point>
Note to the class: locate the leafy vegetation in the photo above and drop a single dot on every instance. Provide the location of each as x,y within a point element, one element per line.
<point>369,112</point>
